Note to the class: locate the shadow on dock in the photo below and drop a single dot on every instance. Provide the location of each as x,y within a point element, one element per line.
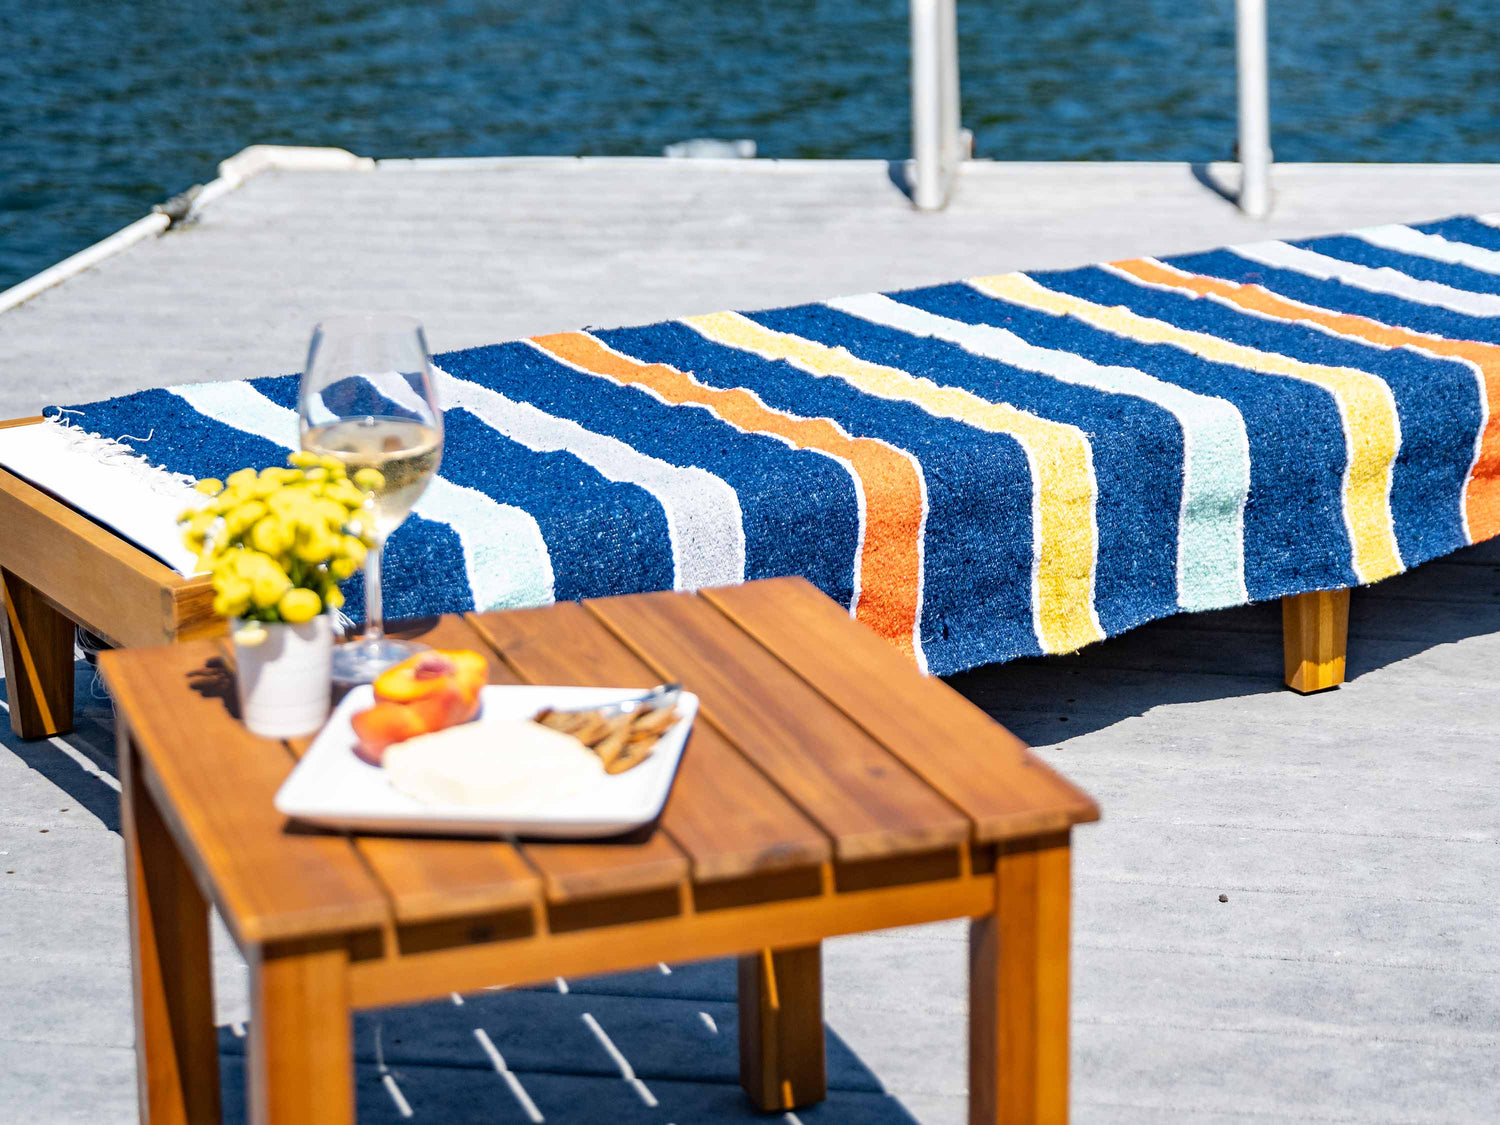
<point>678,1031</point>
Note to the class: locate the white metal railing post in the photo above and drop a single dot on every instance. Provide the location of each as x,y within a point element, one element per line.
<point>1254,108</point>
<point>936,139</point>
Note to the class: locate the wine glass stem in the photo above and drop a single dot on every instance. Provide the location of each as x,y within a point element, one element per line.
<point>374,609</point>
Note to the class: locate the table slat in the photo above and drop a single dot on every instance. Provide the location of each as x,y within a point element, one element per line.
<point>218,782</point>
<point>566,870</point>
<point>433,879</point>
<point>723,812</point>
<point>968,757</point>
<point>868,801</point>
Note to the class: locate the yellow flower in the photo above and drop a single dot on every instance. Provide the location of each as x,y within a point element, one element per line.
<point>242,478</point>
<point>371,480</point>
<point>242,518</point>
<point>200,523</point>
<point>334,466</point>
<point>269,585</point>
<point>233,598</point>
<point>333,515</point>
<point>333,597</point>
<point>346,495</point>
<point>342,569</point>
<point>247,564</point>
<point>285,502</point>
<point>353,549</point>
<point>314,548</point>
<point>209,486</point>
<point>302,459</point>
<point>300,605</point>
<point>270,535</point>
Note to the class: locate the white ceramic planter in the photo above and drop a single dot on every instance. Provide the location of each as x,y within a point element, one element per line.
<point>284,680</point>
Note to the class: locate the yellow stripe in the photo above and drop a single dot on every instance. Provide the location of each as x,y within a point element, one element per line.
<point>1065,545</point>
<point>1372,430</point>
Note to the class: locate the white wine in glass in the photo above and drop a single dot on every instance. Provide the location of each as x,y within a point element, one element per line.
<point>367,398</point>
<point>404,452</point>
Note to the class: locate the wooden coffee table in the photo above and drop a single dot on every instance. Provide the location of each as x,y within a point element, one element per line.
<point>827,789</point>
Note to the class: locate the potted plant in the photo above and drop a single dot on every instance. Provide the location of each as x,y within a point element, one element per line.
<point>278,542</point>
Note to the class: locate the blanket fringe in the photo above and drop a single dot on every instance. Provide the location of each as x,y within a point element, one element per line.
<point>115,453</point>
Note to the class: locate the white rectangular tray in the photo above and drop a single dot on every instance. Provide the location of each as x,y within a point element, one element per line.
<point>333,788</point>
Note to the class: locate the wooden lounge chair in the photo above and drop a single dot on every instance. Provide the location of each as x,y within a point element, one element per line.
<point>59,568</point>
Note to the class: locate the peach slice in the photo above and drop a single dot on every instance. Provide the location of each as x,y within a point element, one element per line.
<point>432,673</point>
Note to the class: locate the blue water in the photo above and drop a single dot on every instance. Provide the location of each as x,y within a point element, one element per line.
<point>109,106</point>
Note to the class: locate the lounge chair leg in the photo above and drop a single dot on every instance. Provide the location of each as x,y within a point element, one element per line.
<point>1315,637</point>
<point>783,1063</point>
<point>37,644</point>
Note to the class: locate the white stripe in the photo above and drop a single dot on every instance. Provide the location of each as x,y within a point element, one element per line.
<point>497,1060</point>
<point>919,653</point>
<point>1474,368</point>
<point>506,557</point>
<point>402,1107</point>
<point>1382,280</point>
<point>842,462</point>
<point>708,1022</point>
<point>1404,240</point>
<point>620,1061</point>
<point>704,521</point>
<point>1216,450</point>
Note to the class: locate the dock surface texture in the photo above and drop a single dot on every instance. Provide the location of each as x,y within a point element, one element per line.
<point>483,251</point>
<point>1353,975</point>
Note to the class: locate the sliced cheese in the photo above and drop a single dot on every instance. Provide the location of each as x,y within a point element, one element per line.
<point>516,765</point>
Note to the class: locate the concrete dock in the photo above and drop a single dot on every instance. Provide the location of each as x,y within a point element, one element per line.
<point>1352,975</point>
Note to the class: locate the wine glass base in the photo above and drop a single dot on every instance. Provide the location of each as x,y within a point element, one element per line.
<point>360,661</point>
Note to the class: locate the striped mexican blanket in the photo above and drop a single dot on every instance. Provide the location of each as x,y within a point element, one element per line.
<point>1010,465</point>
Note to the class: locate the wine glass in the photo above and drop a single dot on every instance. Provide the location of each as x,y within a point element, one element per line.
<point>367,398</point>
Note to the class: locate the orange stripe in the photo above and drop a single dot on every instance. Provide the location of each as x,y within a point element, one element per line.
<point>890,562</point>
<point>1482,492</point>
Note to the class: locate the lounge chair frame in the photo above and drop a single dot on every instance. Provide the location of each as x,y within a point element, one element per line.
<point>59,568</point>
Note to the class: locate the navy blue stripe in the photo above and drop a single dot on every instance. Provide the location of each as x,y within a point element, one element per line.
<point>1360,252</point>
<point>1437,400</point>
<point>423,561</point>
<point>977,593</point>
<point>800,510</point>
<point>604,537</point>
<point>1137,450</point>
<point>1340,297</point>
<point>1294,523</point>
<point>1467,230</point>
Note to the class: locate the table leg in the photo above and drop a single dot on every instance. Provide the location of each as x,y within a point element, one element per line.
<point>177,1055</point>
<point>37,644</point>
<point>783,1063</point>
<point>1018,989</point>
<point>1315,638</point>
<point>301,1042</point>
